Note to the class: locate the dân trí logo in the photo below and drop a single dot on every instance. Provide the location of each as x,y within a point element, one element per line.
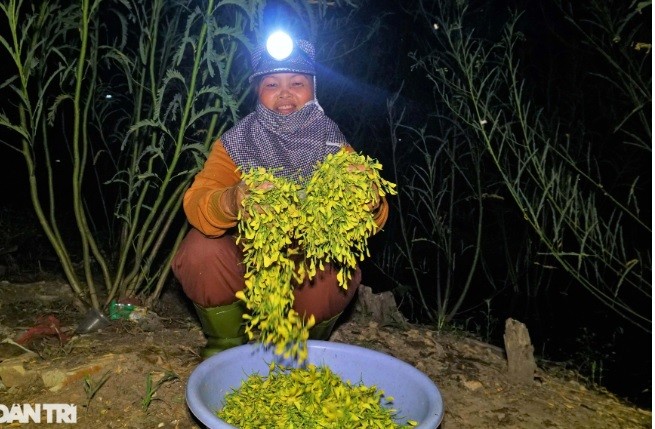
<point>38,413</point>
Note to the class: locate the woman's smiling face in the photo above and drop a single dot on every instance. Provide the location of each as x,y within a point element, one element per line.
<point>285,93</point>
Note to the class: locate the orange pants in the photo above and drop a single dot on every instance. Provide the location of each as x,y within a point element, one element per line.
<point>211,272</point>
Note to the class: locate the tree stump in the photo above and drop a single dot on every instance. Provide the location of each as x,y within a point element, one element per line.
<point>520,353</point>
<point>378,307</point>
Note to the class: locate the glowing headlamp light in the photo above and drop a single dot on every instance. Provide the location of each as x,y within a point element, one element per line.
<point>279,45</point>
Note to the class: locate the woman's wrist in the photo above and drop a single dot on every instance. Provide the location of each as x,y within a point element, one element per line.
<point>223,205</point>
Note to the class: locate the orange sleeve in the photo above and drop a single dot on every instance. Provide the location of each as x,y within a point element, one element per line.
<point>202,201</point>
<point>381,214</point>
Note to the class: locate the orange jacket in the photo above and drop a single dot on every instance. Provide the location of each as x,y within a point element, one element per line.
<point>202,201</point>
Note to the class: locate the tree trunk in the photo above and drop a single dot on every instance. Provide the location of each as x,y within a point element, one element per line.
<point>520,358</point>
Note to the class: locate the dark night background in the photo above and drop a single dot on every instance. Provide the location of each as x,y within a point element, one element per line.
<point>566,324</point>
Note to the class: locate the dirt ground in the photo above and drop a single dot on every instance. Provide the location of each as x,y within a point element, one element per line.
<point>105,373</point>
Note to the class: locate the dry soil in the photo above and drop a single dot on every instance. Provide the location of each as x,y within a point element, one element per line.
<point>105,373</point>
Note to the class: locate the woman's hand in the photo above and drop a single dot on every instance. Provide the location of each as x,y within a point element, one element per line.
<point>374,204</point>
<point>230,201</point>
<point>244,191</point>
<point>239,192</point>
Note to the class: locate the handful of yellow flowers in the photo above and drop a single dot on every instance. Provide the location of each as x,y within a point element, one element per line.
<point>286,237</point>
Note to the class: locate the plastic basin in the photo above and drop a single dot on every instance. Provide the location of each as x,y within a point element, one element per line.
<point>416,397</point>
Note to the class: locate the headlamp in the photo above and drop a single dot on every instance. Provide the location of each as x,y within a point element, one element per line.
<point>279,45</point>
<point>282,54</point>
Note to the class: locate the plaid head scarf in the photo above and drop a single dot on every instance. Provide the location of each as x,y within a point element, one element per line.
<point>288,145</point>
